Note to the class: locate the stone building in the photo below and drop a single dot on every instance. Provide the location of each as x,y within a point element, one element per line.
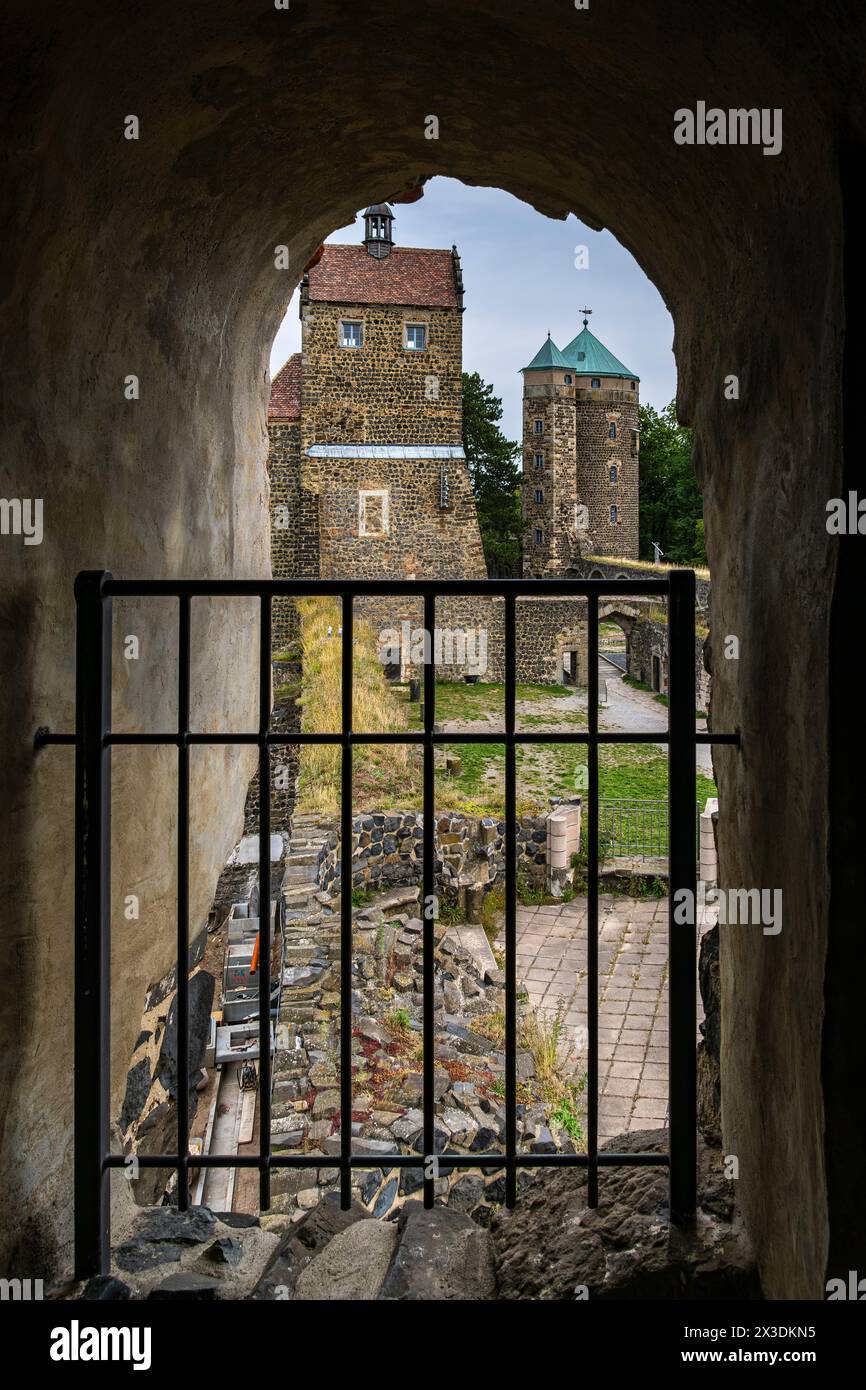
<point>581,444</point>
<point>367,469</point>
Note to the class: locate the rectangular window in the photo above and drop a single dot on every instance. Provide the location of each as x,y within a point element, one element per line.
<point>539,427</point>
<point>351,333</point>
<point>539,495</point>
<point>539,535</point>
<point>415,337</point>
<point>539,460</point>
<point>373,512</point>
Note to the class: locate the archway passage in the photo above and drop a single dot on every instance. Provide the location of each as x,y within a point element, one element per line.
<point>160,258</point>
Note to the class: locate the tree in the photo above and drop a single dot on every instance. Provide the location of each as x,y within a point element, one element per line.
<point>495,475</point>
<point>671,509</point>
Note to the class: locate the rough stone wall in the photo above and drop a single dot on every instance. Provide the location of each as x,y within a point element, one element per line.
<point>554,515</point>
<point>649,638</point>
<point>578,457</point>
<point>388,850</point>
<point>380,393</point>
<point>294,524</point>
<point>590,566</point>
<point>285,757</point>
<point>596,453</point>
<point>423,540</point>
<point>545,628</point>
<point>156,257</point>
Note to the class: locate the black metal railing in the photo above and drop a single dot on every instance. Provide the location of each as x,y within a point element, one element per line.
<point>93,739</point>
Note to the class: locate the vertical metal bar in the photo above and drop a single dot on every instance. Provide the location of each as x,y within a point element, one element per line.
<point>429,889</point>
<point>682,795</point>
<point>510,908</point>
<point>92,1032</point>
<point>264,903</point>
<point>346,885</point>
<point>592,902</point>
<point>181,1001</point>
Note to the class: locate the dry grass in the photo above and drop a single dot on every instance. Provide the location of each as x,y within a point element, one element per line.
<point>382,776</point>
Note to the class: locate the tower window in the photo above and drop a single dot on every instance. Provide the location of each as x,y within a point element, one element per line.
<point>612,431</point>
<point>595,383</point>
<point>539,495</point>
<point>539,460</point>
<point>613,473</point>
<point>635,441</point>
<point>634,386</point>
<point>416,337</point>
<point>351,333</point>
<point>613,516</point>
<point>539,535</point>
<point>567,380</point>
<point>539,427</point>
<point>373,512</point>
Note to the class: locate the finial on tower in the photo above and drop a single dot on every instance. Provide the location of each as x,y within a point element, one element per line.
<point>585,321</point>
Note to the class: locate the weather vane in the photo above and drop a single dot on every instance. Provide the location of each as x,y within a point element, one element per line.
<point>585,321</point>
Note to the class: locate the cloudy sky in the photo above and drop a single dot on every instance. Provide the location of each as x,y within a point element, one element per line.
<point>521,281</point>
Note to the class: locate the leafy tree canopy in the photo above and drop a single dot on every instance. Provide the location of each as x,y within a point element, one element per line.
<point>495,474</point>
<point>671,509</point>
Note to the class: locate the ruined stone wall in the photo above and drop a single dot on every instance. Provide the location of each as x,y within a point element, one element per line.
<point>388,850</point>
<point>285,757</point>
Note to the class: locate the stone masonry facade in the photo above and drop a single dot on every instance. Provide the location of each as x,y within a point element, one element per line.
<point>581,450</point>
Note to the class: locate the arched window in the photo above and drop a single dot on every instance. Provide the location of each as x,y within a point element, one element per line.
<point>613,517</point>
<point>613,473</point>
<point>612,431</point>
<point>567,379</point>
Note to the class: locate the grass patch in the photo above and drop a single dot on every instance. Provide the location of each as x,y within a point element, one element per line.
<point>382,776</point>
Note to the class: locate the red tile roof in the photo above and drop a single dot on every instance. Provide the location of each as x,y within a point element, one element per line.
<point>285,402</point>
<point>348,275</point>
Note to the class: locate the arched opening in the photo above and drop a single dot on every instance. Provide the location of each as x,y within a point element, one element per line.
<point>157,260</point>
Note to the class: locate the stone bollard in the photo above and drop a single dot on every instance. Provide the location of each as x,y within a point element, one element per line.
<point>475,902</point>
<point>563,841</point>
<point>709,872</point>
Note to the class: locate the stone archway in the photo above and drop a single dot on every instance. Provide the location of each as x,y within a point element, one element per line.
<point>158,258</point>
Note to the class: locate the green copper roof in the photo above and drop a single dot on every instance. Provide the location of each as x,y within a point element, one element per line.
<point>547,356</point>
<point>596,360</point>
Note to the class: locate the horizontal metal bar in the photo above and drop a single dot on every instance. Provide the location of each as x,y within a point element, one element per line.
<point>362,588</point>
<point>418,738</point>
<point>397,1160</point>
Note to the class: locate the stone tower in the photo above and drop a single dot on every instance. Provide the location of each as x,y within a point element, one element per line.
<point>367,422</point>
<point>581,443</point>
<point>367,469</point>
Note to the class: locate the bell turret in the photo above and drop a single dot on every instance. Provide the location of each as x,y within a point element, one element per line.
<point>378,233</point>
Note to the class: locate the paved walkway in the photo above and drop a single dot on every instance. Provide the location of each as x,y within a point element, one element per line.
<point>633,998</point>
